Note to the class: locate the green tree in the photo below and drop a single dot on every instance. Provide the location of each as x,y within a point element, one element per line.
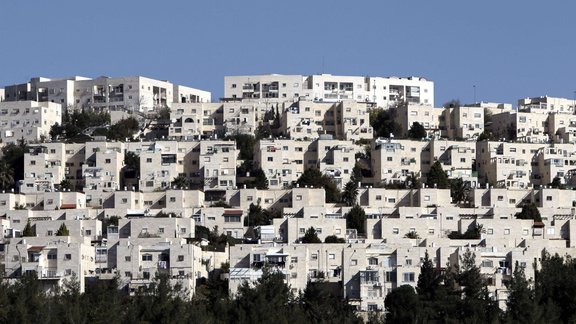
<point>459,190</point>
<point>529,211</point>
<point>470,277</point>
<point>257,216</point>
<point>254,303</point>
<point>245,143</point>
<point>486,135</point>
<point>454,103</point>
<point>557,183</point>
<point>313,177</point>
<point>66,185</point>
<point>123,129</point>
<point>520,306</point>
<point>383,122</point>
<point>350,193</point>
<point>63,230</point>
<point>402,305</point>
<point>6,175</point>
<point>28,230</point>
<point>310,236</point>
<point>260,180</point>
<point>356,219</point>
<point>322,305</point>
<point>180,182</point>
<point>429,279</point>
<point>417,131</point>
<point>334,239</point>
<point>437,177</point>
<point>555,284</point>
<point>412,235</point>
<point>13,155</point>
<point>163,114</point>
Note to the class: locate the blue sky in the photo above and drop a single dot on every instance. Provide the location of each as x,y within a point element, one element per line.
<point>508,49</point>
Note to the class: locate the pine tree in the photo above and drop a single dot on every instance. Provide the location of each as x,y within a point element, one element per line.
<point>437,177</point>
<point>356,219</point>
<point>28,230</point>
<point>310,236</point>
<point>63,230</point>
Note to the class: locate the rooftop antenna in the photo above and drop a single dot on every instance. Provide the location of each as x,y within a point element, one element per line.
<point>474,86</point>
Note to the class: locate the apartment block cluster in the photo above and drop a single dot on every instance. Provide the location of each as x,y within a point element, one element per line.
<point>28,110</point>
<point>136,223</point>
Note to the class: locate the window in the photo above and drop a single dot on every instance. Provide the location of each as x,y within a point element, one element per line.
<point>373,261</point>
<point>128,258</point>
<point>67,256</point>
<point>331,256</point>
<point>548,198</point>
<point>146,257</point>
<point>487,264</point>
<point>490,231</point>
<point>52,256</point>
<point>378,197</point>
<point>149,160</point>
<point>389,158</point>
<point>408,277</point>
<point>506,231</point>
<point>314,256</point>
<point>395,230</point>
<point>294,260</point>
<point>353,262</point>
<point>181,258</point>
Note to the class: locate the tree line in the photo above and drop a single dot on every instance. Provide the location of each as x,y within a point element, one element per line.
<point>457,295</point>
<point>461,295</point>
<point>269,300</point>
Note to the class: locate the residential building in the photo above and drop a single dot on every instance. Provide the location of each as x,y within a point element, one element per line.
<point>383,91</point>
<point>28,120</point>
<point>136,94</point>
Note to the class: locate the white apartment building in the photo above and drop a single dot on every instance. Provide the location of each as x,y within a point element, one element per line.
<point>465,123</point>
<point>384,92</point>
<point>54,259</point>
<point>138,94</point>
<point>283,160</point>
<point>523,165</point>
<point>545,105</point>
<point>102,168</point>
<point>28,120</point>
<point>432,119</point>
<point>217,164</point>
<point>347,120</point>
